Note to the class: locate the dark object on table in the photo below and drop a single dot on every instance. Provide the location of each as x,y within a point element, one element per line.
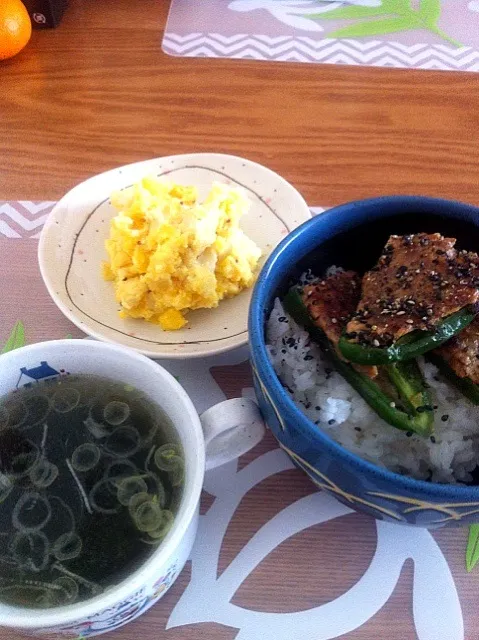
<point>46,13</point>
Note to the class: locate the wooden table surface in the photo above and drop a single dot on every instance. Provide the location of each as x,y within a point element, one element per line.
<point>98,92</point>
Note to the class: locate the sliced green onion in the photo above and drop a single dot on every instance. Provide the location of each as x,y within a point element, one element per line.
<point>102,500</point>
<point>116,412</point>
<point>43,474</point>
<point>128,487</point>
<point>31,513</point>
<point>136,500</point>
<point>69,589</point>
<point>85,457</point>
<point>38,407</point>
<point>65,400</point>
<point>30,550</point>
<point>123,442</point>
<point>67,546</point>
<point>167,522</point>
<point>148,516</point>
<point>166,457</point>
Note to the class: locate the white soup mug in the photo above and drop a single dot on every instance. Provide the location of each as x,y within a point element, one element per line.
<point>222,433</point>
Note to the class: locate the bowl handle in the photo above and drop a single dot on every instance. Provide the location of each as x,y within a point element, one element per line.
<point>231,428</point>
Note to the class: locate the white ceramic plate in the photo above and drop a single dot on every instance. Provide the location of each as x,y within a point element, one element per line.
<point>71,250</point>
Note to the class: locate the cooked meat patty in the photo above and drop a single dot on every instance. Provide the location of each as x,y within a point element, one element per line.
<point>462,352</point>
<point>331,302</point>
<point>419,280</point>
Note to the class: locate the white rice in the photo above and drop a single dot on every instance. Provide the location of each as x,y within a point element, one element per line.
<point>337,409</point>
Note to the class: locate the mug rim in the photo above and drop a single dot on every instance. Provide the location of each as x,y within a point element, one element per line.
<point>294,247</point>
<point>30,618</point>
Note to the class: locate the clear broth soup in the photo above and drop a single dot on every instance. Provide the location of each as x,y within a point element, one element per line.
<point>91,476</point>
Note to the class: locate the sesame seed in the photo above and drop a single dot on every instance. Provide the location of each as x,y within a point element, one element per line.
<point>357,428</point>
<point>332,421</point>
<point>376,342</point>
<point>409,321</point>
<point>392,404</point>
<point>401,313</point>
<point>432,439</point>
<point>334,320</point>
<point>445,417</point>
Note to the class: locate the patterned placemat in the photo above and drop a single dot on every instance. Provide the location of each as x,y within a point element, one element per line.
<point>412,34</point>
<point>274,559</point>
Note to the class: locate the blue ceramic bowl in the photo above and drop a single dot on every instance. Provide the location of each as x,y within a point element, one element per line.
<point>352,236</point>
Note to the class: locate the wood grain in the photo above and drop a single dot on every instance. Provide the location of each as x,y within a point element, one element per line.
<point>98,92</point>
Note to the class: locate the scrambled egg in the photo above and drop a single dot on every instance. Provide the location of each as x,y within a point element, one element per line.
<point>169,253</point>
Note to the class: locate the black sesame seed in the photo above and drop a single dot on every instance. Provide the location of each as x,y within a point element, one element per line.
<point>317,407</point>
<point>445,417</point>
<point>409,434</point>
<point>308,357</point>
<point>432,439</point>
<point>282,319</point>
<point>332,421</point>
<point>357,428</point>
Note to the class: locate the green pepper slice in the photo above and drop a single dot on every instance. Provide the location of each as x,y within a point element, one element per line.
<point>410,346</point>
<point>409,383</point>
<point>407,380</point>
<point>465,385</point>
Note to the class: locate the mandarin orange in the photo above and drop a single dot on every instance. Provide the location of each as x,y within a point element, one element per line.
<point>15,28</point>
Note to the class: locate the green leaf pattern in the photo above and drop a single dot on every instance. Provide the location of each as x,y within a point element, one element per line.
<point>16,338</point>
<point>472,550</point>
<point>372,28</point>
<point>392,16</point>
